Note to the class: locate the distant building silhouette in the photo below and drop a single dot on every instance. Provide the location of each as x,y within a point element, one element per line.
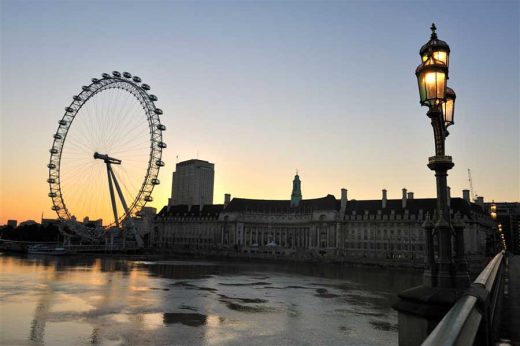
<point>92,223</point>
<point>12,223</point>
<point>47,222</point>
<point>192,183</point>
<point>28,223</point>
<point>508,215</point>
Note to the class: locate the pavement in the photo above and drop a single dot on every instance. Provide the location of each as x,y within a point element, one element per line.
<point>510,328</point>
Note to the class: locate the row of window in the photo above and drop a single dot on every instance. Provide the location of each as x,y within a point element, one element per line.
<point>385,234</point>
<point>385,246</point>
<point>186,240</point>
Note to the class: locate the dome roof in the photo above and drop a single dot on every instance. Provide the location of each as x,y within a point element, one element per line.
<point>434,43</point>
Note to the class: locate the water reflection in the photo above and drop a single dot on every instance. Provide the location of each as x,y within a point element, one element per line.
<point>87,300</point>
<point>189,319</point>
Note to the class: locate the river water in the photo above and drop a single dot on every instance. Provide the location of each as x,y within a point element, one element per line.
<point>105,301</point>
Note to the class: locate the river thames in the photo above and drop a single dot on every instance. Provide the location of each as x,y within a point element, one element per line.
<point>106,301</point>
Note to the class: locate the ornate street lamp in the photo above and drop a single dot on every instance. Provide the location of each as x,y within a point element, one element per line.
<point>448,107</point>
<point>435,48</point>
<point>445,275</point>
<point>432,76</point>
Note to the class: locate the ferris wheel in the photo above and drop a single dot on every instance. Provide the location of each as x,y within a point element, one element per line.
<point>106,154</point>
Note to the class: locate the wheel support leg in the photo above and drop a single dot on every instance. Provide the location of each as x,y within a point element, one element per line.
<point>112,197</point>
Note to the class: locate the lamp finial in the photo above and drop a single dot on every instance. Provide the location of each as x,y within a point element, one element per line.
<point>434,34</point>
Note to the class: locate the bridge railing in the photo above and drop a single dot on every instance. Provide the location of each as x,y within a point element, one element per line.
<point>475,317</point>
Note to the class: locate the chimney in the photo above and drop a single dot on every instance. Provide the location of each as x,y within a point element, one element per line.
<point>410,195</point>
<point>465,195</point>
<point>404,198</point>
<point>480,200</point>
<point>448,194</point>
<point>227,199</point>
<point>343,201</point>
<point>383,205</point>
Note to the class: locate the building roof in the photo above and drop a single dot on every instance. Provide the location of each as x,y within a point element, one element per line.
<point>412,205</point>
<point>192,211</point>
<point>328,202</point>
<point>195,162</point>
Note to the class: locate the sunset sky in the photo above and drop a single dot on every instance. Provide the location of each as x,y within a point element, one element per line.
<point>264,88</point>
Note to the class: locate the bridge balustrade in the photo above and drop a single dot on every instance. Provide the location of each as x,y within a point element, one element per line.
<point>475,317</point>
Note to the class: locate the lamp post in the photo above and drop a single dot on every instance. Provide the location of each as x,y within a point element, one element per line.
<point>445,276</point>
<point>432,77</point>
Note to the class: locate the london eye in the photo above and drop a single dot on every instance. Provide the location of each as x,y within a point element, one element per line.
<point>106,153</point>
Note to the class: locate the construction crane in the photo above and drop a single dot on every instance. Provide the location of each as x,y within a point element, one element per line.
<point>471,185</point>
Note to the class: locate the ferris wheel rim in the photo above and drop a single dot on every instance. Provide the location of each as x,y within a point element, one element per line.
<point>147,101</point>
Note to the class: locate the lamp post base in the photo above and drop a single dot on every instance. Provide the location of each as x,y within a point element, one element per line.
<point>430,278</point>
<point>420,309</point>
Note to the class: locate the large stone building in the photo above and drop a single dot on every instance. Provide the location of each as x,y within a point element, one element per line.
<point>193,183</point>
<point>183,227</point>
<point>322,227</point>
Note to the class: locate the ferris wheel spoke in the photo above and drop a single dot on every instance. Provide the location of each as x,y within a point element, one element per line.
<point>123,130</point>
<point>78,146</point>
<point>76,187</point>
<point>111,123</point>
<point>131,144</point>
<point>130,133</point>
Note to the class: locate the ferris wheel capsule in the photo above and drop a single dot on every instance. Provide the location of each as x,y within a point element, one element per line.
<point>76,98</point>
<point>136,79</point>
<point>116,74</point>
<point>51,180</point>
<point>85,88</point>
<point>127,75</point>
<point>153,98</point>
<point>63,122</point>
<point>148,198</point>
<point>55,208</point>
<point>51,166</point>
<point>57,136</point>
<point>161,127</point>
<point>158,111</point>
<point>161,145</point>
<point>53,194</point>
<point>159,163</point>
<point>145,87</point>
<point>53,151</point>
<point>155,181</point>
<point>69,109</point>
<point>105,75</point>
<point>95,80</point>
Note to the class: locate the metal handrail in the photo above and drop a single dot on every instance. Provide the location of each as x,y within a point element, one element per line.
<point>487,277</point>
<point>461,324</point>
